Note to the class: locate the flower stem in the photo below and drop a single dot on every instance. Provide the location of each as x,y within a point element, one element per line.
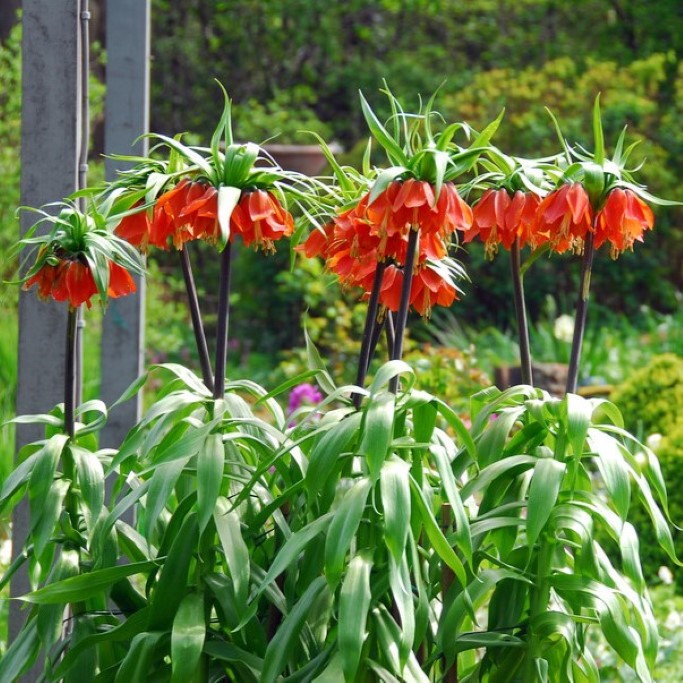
<point>539,603</point>
<point>581,313</point>
<point>389,330</point>
<point>447,578</point>
<point>402,315</point>
<point>223,318</point>
<point>70,371</point>
<point>380,324</point>
<point>366,348</point>
<point>520,312</point>
<point>195,314</point>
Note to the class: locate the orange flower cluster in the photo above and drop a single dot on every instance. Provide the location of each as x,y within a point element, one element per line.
<point>499,219</point>
<point>189,211</point>
<point>562,219</point>
<point>373,232</point>
<point>73,281</point>
<point>622,221</point>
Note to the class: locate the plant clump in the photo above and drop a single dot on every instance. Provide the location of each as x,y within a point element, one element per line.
<point>651,400</point>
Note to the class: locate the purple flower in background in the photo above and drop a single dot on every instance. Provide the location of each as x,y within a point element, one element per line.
<point>301,394</point>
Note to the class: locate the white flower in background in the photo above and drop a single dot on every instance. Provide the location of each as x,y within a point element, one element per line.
<point>5,553</point>
<point>665,575</point>
<point>673,621</point>
<point>563,329</point>
<point>653,442</point>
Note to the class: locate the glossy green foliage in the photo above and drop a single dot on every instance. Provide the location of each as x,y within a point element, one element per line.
<point>349,544</point>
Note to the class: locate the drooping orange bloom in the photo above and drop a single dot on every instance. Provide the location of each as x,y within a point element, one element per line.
<point>166,218</point>
<point>564,218</point>
<point>377,232</point>
<point>317,242</point>
<point>135,228</point>
<point>72,281</point>
<point>260,219</point>
<point>414,204</point>
<point>121,282</point>
<point>428,288</point>
<point>199,217</point>
<point>45,279</point>
<point>499,219</point>
<point>622,221</point>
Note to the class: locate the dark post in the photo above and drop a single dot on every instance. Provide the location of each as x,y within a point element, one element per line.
<point>126,118</point>
<point>49,168</point>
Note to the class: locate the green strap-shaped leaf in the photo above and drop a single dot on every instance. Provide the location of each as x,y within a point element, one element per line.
<point>389,637</point>
<point>579,412</point>
<point>172,584</point>
<point>379,132</point>
<point>160,489</point>
<point>435,535</point>
<point>187,638</point>
<point>630,555</point>
<point>486,476</point>
<point>395,491</point>
<point>42,477</point>
<point>543,492</point>
<point>354,603</point>
<point>292,549</point>
<point>387,176</point>
<point>84,586</point>
<point>91,484</point>
<point>378,431</point>
<point>135,665</point>
<point>53,504</point>
<point>402,592</point>
<point>283,642</point>
<point>228,652</point>
<point>463,538</point>
<point>228,198</point>
<point>343,528</point>
<point>598,135</point>
<point>51,449</point>
<point>388,371</point>
<point>315,362</point>
<point>21,654</point>
<point>613,469</point>
<point>50,617</point>
<point>210,465</point>
<point>326,452</point>
<point>235,549</point>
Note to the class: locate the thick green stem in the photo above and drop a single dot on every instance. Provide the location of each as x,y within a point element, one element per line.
<point>402,314</point>
<point>520,312</point>
<point>540,599</point>
<point>580,316</point>
<point>447,578</point>
<point>70,371</point>
<point>223,319</point>
<point>68,462</point>
<point>370,323</point>
<point>196,316</point>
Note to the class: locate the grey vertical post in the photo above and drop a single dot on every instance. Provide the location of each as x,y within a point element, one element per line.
<point>126,118</point>
<point>49,161</point>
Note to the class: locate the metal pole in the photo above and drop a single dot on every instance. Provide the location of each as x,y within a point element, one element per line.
<point>126,118</point>
<point>49,166</point>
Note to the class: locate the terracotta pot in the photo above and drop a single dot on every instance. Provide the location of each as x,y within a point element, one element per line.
<point>306,159</point>
<point>552,377</point>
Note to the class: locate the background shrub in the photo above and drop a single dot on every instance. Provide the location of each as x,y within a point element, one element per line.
<point>651,400</point>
